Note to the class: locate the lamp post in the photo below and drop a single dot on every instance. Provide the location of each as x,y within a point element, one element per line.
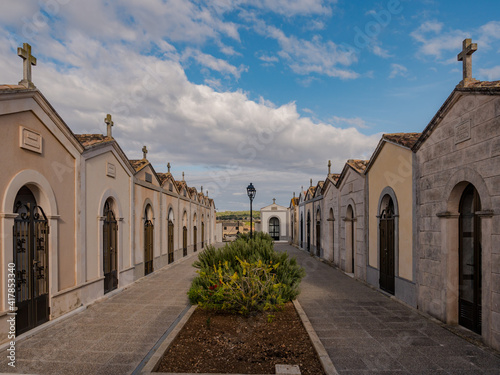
<point>251,194</point>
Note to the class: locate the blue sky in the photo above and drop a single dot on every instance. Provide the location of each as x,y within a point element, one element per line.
<point>262,91</point>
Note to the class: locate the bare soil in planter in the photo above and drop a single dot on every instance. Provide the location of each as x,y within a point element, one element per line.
<point>222,343</point>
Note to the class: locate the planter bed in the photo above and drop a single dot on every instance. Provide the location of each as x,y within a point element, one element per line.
<point>223,343</point>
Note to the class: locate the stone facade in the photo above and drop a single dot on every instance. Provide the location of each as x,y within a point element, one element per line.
<point>92,203</point>
<point>275,220</point>
<point>460,148</point>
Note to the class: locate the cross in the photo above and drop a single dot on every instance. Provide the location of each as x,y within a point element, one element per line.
<point>466,57</point>
<point>274,200</point>
<point>28,60</point>
<point>311,182</point>
<point>144,152</point>
<point>329,167</point>
<point>182,176</point>
<point>109,123</point>
<point>168,166</point>
<point>201,189</point>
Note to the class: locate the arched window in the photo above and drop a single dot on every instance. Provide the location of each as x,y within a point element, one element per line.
<point>110,250</point>
<point>148,240</point>
<point>170,236</point>
<point>470,274</point>
<point>387,245</point>
<point>30,235</point>
<point>274,228</point>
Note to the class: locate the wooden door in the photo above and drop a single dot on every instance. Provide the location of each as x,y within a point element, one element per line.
<point>109,231</point>
<point>386,236</point>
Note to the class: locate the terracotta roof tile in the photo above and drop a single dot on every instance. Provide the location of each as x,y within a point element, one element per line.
<point>334,177</point>
<point>4,87</point>
<point>139,164</point>
<point>484,84</point>
<point>89,140</point>
<point>403,139</point>
<point>358,165</point>
<point>163,177</point>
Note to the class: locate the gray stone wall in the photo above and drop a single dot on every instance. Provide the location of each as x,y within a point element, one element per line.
<point>352,191</point>
<point>463,148</point>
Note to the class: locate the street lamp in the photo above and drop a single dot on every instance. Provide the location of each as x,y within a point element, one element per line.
<point>251,194</point>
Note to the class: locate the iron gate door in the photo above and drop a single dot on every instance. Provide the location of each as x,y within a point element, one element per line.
<point>274,228</point>
<point>195,237</point>
<point>470,310</point>
<point>170,241</point>
<point>148,246</point>
<point>110,229</point>
<point>386,228</point>
<point>31,231</point>
<point>184,241</point>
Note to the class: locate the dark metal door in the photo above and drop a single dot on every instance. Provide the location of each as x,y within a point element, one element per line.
<point>184,241</point>
<point>148,246</point>
<point>308,232</point>
<point>470,310</point>
<point>202,235</point>
<point>318,238</point>
<point>386,230</point>
<point>110,229</point>
<point>195,237</point>
<point>274,228</point>
<point>30,235</point>
<point>170,241</point>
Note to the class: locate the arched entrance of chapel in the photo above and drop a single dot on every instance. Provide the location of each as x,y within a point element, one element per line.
<point>148,239</point>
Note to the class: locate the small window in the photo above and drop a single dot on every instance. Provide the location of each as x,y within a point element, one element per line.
<point>149,177</point>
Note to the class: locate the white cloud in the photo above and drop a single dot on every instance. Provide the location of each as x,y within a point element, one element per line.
<point>398,70</point>
<point>311,56</point>
<point>492,74</point>
<point>213,63</point>
<point>357,122</point>
<point>379,51</point>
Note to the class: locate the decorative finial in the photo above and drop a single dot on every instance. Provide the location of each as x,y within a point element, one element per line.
<point>168,166</point>
<point>28,60</point>
<point>201,190</point>
<point>274,200</point>
<point>182,176</point>
<point>302,188</point>
<point>468,48</point>
<point>109,124</point>
<point>294,194</point>
<point>144,152</point>
<point>207,193</point>
<point>329,167</point>
<point>311,182</point>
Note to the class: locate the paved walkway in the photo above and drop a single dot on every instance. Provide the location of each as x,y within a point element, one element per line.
<point>366,332</point>
<point>112,336</point>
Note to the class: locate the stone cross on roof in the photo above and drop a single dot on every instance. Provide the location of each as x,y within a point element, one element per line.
<point>201,190</point>
<point>466,57</point>
<point>329,167</point>
<point>274,200</point>
<point>311,182</point>
<point>182,176</point>
<point>109,124</point>
<point>168,166</point>
<point>28,60</point>
<point>144,152</point>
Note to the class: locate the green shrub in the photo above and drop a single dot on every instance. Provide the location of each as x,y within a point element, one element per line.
<point>245,275</point>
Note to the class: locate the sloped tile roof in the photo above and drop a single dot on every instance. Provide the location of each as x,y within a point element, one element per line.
<point>403,139</point>
<point>358,165</point>
<point>334,177</point>
<point>4,87</point>
<point>139,164</point>
<point>89,140</point>
<point>163,177</point>
<point>480,84</point>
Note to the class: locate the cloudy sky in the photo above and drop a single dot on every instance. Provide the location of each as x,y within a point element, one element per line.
<point>240,91</point>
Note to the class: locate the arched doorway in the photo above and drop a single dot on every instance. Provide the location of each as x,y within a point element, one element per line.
<point>387,245</point>
<point>202,234</point>
<point>148,240</point>
<point>170,236</point>
<point>30,235</point>
<point>302,230</point>
<point>184,235</point>
<point>274,228</point>
<point>318,233</point>
<point>110,249</point>
<point>470,260</point>
<point>350,240</point>
<point>331,233</point>
<point>309,231</point>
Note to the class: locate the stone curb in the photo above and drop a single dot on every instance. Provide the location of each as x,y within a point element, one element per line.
<point>324,358</point>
